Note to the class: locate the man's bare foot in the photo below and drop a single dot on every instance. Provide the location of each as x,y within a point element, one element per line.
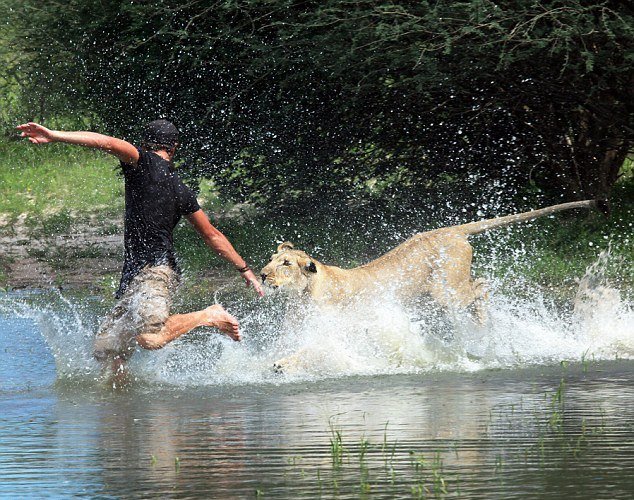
<point>217,317</point>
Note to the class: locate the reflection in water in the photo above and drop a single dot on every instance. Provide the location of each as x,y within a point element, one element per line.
<point>488,433</point>
<point>410,403</point>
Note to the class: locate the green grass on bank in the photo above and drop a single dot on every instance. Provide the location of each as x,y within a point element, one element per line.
<point>57,181</point>
<point>59,184</point>
<point>56,185</point>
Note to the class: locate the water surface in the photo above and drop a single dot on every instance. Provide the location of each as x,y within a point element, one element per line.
<point>381,404</point>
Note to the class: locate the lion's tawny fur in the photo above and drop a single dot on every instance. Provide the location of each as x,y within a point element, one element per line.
<point>434,263</point>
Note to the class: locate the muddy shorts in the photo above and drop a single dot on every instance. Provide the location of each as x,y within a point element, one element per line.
<point>143,308</point>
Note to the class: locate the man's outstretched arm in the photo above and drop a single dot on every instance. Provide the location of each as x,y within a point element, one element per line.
<point>39,134</point>
<point>221,245</point>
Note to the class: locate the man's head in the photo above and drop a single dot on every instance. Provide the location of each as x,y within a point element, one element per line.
<point>160,135</point>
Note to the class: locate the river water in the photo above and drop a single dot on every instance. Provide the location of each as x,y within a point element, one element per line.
<point>377,403</point>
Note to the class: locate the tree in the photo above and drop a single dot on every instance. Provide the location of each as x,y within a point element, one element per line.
<point>349,103</point>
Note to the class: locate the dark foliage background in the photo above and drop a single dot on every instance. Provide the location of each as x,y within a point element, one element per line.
<point>339,106</point>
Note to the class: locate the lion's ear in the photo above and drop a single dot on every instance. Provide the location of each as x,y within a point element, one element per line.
<point>287,245</point>
<point>307,265</point>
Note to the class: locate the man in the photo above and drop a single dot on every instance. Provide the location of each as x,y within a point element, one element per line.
<point>155,200</point>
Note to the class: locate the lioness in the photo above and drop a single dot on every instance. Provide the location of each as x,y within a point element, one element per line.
<point>435,263</point>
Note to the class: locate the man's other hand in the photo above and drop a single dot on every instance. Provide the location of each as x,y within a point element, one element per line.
<point>251,280</point>
<point>36,133</point>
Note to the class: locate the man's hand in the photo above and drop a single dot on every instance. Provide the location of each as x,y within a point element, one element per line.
<point>36,133</point>
<point>123,150</point>
<point>249,277</point>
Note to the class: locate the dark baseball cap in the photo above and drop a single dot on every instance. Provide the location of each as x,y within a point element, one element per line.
<point>160,132</point>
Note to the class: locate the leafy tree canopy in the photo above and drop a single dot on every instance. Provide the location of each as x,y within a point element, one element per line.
<point>352,103</point>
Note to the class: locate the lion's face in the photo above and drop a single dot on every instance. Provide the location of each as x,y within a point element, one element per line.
<point>289,268</point>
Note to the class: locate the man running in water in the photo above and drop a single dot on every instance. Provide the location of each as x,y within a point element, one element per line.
<point>155,200</point>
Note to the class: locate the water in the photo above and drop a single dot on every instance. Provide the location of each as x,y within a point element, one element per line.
<point>380,402</point>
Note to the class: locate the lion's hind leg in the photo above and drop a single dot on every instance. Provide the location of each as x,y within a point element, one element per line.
<point>470,297</point>
<point>461,292</point>
<point>481,295</point>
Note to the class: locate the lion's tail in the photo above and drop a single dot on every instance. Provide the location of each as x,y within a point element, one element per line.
<point>485,225</point>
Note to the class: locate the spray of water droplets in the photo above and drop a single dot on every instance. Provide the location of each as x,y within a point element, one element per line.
<point>374,338</point>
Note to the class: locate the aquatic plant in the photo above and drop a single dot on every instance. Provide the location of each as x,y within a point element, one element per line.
<point>556,420</point>
<point>337,449</point>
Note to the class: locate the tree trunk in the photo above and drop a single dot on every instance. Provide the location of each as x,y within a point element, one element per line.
<point>586,160</point>
<point>597,151</point>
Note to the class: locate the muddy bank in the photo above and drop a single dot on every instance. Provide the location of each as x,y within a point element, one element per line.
<point>84,255</point>
<point>66,252</point>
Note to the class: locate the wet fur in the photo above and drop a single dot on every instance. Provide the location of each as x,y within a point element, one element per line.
<point>434,264</point>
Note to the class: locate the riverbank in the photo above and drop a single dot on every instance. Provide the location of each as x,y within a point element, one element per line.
<point>61,225</point>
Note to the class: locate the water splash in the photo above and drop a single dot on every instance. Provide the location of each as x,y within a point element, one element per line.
<point>601,317</point>
<point>67,327</point>
<point>368,339</point>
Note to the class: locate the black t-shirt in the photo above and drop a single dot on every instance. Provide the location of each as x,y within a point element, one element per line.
<point>155,200</point>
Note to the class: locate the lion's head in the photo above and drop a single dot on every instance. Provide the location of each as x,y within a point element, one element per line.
<point>289,268</point>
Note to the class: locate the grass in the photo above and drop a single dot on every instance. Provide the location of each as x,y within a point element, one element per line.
<point>52,179</point>
<point>60,222</point>
<point>337,450</point>
<point>356,469</point>
<point>3,279</point>
<point>55,185</point>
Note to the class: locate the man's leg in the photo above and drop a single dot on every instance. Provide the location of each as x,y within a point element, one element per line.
<point>179,324</point>
<point>142,317</point>
<point>114,341</point>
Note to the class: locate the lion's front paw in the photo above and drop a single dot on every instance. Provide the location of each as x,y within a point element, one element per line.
<point>291,364</point>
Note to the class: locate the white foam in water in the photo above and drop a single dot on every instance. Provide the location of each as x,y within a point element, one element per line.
<point>368,339</point>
